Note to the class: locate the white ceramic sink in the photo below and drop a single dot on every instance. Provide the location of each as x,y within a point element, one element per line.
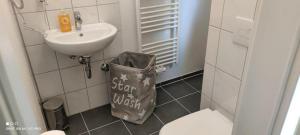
<point>90,39</point>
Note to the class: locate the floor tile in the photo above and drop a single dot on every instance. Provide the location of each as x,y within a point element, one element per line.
<point>195,81</point>
<point>179,89</point>
<point>157,133</point>
<point>76,125</point>
<point>86,133</point>
<point>117,128</point>
<point>150,126</point>
<point>170,112</point>
<point>162,97</point>
<point>191,102</point>
<point>98,117</point>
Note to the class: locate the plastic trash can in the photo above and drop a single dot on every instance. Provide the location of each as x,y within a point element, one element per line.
<point>133,92</point>
<point>55,114</point>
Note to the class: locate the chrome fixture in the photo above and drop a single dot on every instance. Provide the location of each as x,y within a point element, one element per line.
<point>78,20</point>
<point>105,67</point>
<point>86,60</point>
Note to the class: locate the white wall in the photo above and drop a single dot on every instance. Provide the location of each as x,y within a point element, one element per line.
<point>274,47</point>
<point>193,24</point>
<point>58,76</point>
<point>194,16</point>
<point>16,76</point>
<point>225,60</point>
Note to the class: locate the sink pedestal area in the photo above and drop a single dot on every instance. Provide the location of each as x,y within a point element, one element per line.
<point>83,43</point>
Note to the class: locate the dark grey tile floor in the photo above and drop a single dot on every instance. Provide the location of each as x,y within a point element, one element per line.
<point>174,100</point>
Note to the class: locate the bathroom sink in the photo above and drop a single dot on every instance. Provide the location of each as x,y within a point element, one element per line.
<point>90,39</point>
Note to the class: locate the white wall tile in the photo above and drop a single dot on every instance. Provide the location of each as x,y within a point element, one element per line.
<point>110,13</point>
<point>98,76</point>
<point>208,80</point>
<point>216,12</point>
<point>205,102</point>
<point>212,45</point>
<point>98,95</point>
<point>107,1</point>
<point>115,48</point>
<point>81,3</point>
<point>97,56</point>
<point>226,90</point>
<point>42,58</point>
<point>78,101</point>
<point>49,84</point>
<point>58,4</point>
<point>63,97</point>
<point>234,8</point>
<point>53,17</point>
<point>215,106</point>
<point>89,14</point>
<point>32,6</point>
<point>36,21</point>
<point>65,61</point>
<point>73,78</point>
<point>231,57</point>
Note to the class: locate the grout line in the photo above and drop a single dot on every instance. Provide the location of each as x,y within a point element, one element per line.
<point>187,95</point>
<point>85,124</point>
<point>181,79</point>
<point>104,125</point>
<point>191,85</point>
<point>127,128</point>
<point>183,106</point>
<point>230,74</point>
<point>83,133</point>
<point>177,101</point>
<point>154,132</point>
<point>158,118</point>
<point>62,84</point>
<point>170,83</point>
<point>165,103</point>
<point>192,76</point>
<point>63,68</point>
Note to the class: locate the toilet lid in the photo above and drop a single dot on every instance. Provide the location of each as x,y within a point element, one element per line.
<point>205,122</point>
<point>54,132</point>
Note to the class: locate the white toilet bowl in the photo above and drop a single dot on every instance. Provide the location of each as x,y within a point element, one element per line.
<point>205,122</point>
<point>54,132</point>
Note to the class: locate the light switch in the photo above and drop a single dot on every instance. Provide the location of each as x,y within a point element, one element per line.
<point>243,31</point>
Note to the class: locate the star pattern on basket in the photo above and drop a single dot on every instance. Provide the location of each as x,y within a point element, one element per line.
<point>124,77</point>
<point>125,117</point>
<point>146,81</point>
<point>141,114</point>
<point>139,76</point>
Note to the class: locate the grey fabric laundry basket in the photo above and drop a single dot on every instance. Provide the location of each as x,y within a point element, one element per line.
<point>133,93</point>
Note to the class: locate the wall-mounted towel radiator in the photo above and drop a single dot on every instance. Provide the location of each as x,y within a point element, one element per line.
<point>157,28</point>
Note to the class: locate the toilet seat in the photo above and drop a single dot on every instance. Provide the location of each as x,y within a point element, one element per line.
<point>205,122</point>
<point>54,132</point>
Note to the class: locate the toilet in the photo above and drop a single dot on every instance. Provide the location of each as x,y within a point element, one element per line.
<point>204,122</point>
<point>54,132</point>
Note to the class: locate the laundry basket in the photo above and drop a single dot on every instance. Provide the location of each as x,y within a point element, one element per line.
<point>133,93</point>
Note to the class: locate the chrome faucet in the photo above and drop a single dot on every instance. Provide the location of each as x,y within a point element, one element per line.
<point>78,20</point>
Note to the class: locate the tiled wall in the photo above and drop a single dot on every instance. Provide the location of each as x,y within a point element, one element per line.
<point>56,74</point>
<point>224,61</point>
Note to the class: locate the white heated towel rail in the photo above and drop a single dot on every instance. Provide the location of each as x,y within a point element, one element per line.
<point>157,27</point>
